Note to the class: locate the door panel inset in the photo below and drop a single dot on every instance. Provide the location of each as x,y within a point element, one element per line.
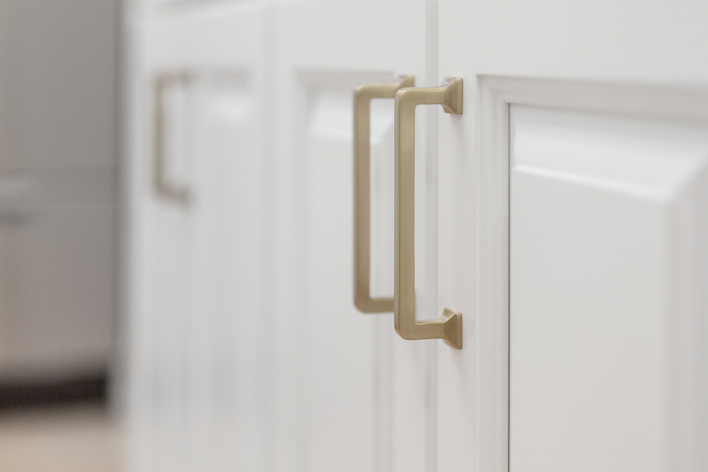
<point>605,213</point>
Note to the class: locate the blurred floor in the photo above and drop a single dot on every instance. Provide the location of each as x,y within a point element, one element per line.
<point>81,438</point>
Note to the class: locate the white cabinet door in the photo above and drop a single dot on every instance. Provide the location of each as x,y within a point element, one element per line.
<point>608,292</point>
<point>199,266</point>
<point>353,396</point>
<point>572,236</point>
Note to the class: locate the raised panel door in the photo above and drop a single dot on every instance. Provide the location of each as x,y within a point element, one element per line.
<point>571,194</point>
<point>354,395</point>
<point>607,282</point>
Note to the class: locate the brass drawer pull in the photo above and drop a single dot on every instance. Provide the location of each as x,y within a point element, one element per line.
<point>363,95</point>
<point>163,187</point>
<point>449,326</point>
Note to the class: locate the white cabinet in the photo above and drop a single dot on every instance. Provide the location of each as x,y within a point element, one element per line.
<point>562,213</point>
<point>199,268</point>
<point>583,116</point>
<point>606,294</point>
<point>354,394</point>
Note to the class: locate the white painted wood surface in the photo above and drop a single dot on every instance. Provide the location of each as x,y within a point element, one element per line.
<point>603,308</point>
<point>199,394</point>
<point>354,394</point>
<point>604,57</point>
<point>602,154</point>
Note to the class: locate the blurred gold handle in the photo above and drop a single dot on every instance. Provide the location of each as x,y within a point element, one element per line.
<point>163,187</point>
<point>449,326</point>
<point>363,95</point>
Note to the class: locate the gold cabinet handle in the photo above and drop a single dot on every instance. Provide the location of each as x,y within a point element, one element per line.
<point>163,187</point>
<point>449,326</point>
<point>363,95</point>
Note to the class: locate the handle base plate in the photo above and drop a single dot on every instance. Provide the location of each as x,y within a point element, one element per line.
<point>453,328</point>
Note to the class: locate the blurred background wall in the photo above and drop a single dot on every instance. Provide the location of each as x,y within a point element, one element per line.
<point>58,168</point>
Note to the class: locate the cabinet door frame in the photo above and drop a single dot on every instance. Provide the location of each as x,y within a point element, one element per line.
<point>495,94</point>
<point>361,42</point>
<point>222,46</point>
